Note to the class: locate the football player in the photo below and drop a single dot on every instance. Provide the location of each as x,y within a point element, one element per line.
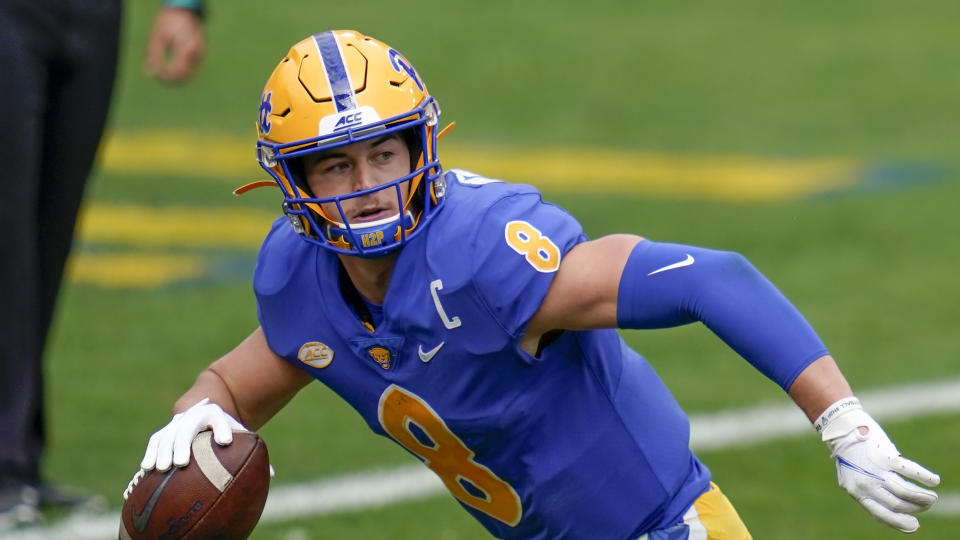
<point>475,325</point>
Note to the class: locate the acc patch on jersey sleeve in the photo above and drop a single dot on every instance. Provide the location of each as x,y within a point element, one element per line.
<point>517,249</point>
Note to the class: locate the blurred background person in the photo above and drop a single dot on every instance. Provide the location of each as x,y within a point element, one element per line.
<point>58,61</point>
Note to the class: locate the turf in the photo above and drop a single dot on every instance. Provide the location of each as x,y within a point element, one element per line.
<point>873,268</point>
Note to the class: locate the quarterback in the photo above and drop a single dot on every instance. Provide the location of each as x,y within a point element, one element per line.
<point>475,325</point>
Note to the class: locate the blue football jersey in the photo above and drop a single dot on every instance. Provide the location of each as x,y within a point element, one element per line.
<point>580,441</point>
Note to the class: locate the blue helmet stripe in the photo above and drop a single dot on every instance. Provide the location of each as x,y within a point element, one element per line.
<point>340,87</point>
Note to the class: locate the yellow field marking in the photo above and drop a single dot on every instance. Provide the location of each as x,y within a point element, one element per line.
<point>724,178</point>
<point>572,169</point>
<point>135,270</point>
<point>143,226</point>
<point>180,153</point>
<point>179,226</point>
<point>230,158</point>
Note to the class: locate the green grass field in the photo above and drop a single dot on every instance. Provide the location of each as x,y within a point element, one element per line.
<point>873,266</point>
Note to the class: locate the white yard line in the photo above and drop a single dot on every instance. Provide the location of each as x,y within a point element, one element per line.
<point>947,505</point>
<point>712,431</point>
<point>751,425</point>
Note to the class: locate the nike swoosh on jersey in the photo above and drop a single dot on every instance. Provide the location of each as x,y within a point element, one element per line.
<point>686,262</point>
<point>428,356</point>
<point>140,520</point>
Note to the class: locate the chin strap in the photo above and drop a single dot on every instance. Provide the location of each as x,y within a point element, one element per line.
<point>371,237</point>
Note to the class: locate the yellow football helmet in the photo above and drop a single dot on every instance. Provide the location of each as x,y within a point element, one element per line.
<point>337,88</point>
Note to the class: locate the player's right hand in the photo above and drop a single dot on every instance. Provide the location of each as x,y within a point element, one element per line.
<point>171,445</point>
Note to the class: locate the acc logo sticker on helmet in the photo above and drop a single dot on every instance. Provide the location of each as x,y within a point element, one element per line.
<point>381,356</point>
<point>345,120</point>
<point>315,354</point>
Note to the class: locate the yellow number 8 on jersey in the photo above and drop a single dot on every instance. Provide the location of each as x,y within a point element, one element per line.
<point>542,254</point>
<point>447,456</point>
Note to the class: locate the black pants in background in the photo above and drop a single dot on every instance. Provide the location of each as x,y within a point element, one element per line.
<point>57,64</point>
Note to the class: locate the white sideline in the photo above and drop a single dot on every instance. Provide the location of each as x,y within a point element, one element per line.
<point>377,488</point>
<point>751,425</point>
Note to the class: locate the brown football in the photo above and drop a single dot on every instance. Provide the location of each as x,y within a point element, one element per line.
<point>219,494</point>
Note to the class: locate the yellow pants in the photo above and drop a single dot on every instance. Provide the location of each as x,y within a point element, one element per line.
<point>711,517</point>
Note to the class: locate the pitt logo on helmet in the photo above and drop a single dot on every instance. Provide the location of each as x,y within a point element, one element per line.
<point>339,88</point>
<point>399,62</point>
<point>265,108</point>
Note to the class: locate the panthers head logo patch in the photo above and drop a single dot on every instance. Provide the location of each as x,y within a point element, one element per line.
<point>381,356</point>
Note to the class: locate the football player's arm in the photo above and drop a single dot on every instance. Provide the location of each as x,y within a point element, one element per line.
<point>627,282</point>
<point>657,285</point>
<point>251,382</point>
<point>583,294</point>
<point>241,390</point>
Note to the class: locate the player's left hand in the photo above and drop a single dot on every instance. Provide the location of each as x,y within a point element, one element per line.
<point>176,45</point>
<point>871,468</point>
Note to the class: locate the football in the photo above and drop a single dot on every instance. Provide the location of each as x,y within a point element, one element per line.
<point>219,494</point>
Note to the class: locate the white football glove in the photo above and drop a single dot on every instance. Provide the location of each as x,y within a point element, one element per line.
<point>171,445</point>
<point>870,467</point>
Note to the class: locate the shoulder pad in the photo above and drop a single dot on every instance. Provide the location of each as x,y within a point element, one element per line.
<point>281,254</point>
<point>501,239</point>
